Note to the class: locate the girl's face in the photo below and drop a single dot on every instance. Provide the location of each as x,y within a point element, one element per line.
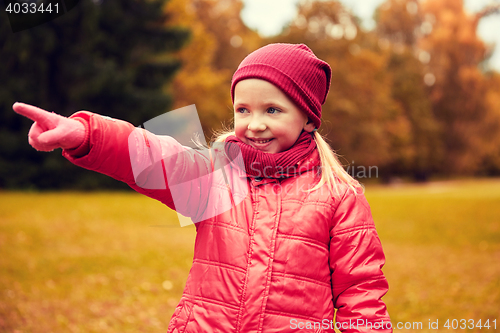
<point>265,118</point>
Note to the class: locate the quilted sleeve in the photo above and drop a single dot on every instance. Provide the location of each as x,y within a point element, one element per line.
<point>150,164</point>
<point>356,260</point>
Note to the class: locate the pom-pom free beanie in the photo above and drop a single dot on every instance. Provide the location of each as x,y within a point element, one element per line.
<point>294,69</point>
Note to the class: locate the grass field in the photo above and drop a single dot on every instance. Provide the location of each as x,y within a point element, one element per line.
<point>118,262</point>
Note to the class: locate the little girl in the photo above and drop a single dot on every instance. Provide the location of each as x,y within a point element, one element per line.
<point>297,240</point>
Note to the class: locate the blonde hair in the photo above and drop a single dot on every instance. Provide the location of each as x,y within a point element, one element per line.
<point>332,172</point>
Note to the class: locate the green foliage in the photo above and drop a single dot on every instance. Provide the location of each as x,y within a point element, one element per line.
<point>108,57</point>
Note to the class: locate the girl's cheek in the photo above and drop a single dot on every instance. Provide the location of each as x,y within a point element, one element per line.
<point>239,130</point>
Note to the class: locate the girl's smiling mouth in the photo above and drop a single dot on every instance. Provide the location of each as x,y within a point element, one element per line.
<point>260,143</point>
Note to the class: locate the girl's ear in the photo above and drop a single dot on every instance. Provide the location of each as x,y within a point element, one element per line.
<point>309,126</point>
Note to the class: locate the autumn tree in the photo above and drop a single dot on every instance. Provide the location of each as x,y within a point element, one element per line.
<point>219,42</point>
<point>459,88</point>
<point>491,163</point>
<point>439,41</point>
<point>400,25</point>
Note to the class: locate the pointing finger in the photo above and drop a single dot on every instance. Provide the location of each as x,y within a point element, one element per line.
<point>32,112</point>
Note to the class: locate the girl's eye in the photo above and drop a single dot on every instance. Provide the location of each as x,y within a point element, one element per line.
<point>273,110</point>
<point>241,110</point>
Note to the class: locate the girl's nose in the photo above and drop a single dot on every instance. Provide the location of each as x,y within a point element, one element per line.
<point>257,125</point>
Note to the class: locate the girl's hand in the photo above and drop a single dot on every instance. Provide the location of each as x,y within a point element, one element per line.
<point>50,130</point>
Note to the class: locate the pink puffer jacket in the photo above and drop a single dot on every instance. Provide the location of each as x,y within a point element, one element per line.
<point>280,260</point>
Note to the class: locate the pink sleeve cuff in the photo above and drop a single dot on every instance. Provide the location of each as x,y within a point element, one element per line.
<point>84,148</point>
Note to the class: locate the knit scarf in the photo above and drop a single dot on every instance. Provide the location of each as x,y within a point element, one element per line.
<point>265,165</point>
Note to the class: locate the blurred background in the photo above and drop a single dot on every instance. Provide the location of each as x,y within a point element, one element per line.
<point>415,90</point>
<point>415,93</point>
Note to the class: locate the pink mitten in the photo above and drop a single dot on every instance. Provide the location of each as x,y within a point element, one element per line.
<point>50,130</point>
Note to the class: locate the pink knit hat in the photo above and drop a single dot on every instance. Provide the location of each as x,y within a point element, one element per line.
<point>294,69</point>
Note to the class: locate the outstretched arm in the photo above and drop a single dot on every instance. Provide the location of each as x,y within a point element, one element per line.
<point>156,166</point>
